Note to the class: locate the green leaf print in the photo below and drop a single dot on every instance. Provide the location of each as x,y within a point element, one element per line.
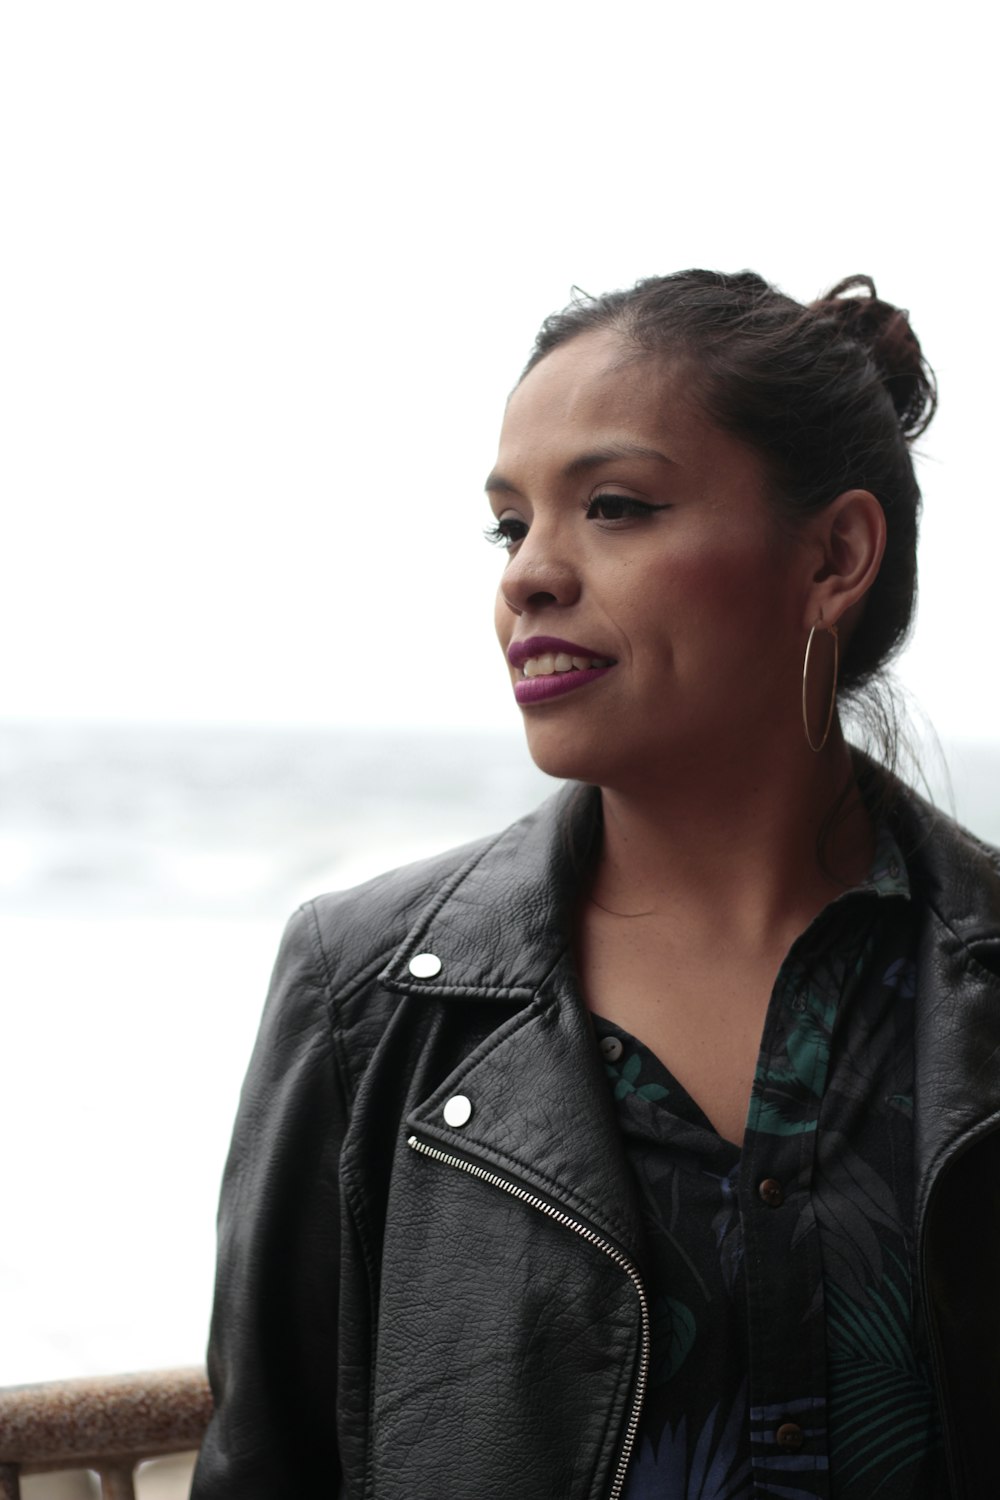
<point>788,1086</point>
<point>808,1044</point>
<point>625,1080</point>
<point>675,1335</point>
<point>766,1118</point>
<point>881,1394</point>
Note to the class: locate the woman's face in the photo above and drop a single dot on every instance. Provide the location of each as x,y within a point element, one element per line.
<point>651,608</point>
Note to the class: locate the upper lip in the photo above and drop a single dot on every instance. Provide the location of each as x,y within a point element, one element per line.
<point>518,652</point>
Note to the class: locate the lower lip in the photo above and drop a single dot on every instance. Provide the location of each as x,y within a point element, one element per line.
<point>555,684</point>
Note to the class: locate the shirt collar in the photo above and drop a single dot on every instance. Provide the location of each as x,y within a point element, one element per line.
<point>888,875</point>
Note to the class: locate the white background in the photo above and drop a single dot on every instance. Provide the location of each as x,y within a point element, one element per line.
<point>270,269</point>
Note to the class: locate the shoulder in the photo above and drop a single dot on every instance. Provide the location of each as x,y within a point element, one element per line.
<point>326,1007</point>
<point>467,903</point>
<point>352,934</point>
<point>342,972</point>
<point>956,874</point>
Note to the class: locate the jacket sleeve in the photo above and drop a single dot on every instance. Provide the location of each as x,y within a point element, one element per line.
<point>272,1358</point>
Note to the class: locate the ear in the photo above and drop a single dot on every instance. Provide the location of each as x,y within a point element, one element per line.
<point>849,536</point>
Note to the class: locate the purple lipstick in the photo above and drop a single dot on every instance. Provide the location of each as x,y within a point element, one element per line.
<point>552,667</point>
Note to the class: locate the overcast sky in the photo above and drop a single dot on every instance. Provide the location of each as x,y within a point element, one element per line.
<point>270,269</point>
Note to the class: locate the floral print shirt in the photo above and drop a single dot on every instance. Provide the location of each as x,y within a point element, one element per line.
<point>788,1354</point>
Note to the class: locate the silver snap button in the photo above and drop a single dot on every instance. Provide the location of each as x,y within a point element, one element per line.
<point>424,965</point>
<point>611,1048</point>
<point>458,1111</point>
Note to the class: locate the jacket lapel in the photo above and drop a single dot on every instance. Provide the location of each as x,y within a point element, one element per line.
<point>541,1111</point>
<point>501,923</point>
<point>541,1115</point>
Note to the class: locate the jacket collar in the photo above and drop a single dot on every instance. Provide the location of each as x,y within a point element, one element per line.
<point>502,922</point>
<point>503,919</point>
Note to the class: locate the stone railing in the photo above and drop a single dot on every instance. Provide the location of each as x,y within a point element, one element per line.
<point>109,1425</point>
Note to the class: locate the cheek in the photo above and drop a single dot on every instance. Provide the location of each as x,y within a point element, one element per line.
<point>729,598</point>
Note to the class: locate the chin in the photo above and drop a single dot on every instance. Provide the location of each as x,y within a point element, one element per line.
<point>600,754</point>
<point>568,758</point>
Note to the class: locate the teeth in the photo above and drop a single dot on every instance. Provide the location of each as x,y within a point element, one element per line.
<point>547,666</point>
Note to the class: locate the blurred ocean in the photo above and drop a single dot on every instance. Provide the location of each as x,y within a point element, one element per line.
<point>145,876</point>
<point>214,822</point>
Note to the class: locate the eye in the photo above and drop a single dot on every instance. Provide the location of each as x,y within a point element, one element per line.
<point>619,508</point>
<point>506,532</point>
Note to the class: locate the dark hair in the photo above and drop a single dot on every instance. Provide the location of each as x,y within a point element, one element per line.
<point>829,395</point>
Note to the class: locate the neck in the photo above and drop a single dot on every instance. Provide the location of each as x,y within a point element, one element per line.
<point>768,846</point>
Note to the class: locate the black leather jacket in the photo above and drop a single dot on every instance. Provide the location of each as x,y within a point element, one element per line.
<point>411,1309</point>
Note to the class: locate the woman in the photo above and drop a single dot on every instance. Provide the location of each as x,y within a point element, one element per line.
<point>651,1147</point>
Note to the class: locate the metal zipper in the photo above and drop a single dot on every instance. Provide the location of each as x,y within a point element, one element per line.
<point>593,1238</point>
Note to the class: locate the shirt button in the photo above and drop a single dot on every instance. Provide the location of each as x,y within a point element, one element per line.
<point>424,965</point>
<point>771,1192</point>
<point>458,1111</point>
<point>611,1048</point>
<point>790,1435</point>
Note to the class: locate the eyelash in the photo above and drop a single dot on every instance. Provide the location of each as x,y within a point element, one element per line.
<point>630,509</point>
<point>501,533</point>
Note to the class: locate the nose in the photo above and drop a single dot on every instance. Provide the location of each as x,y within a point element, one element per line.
<point>538,575</point>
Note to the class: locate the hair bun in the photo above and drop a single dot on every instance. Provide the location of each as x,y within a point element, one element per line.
<point>885,332</point>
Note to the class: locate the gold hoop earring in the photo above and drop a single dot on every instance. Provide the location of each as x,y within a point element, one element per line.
<point>820,625</point>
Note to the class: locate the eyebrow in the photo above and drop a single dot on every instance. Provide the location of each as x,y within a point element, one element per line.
<point>594,458</point>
